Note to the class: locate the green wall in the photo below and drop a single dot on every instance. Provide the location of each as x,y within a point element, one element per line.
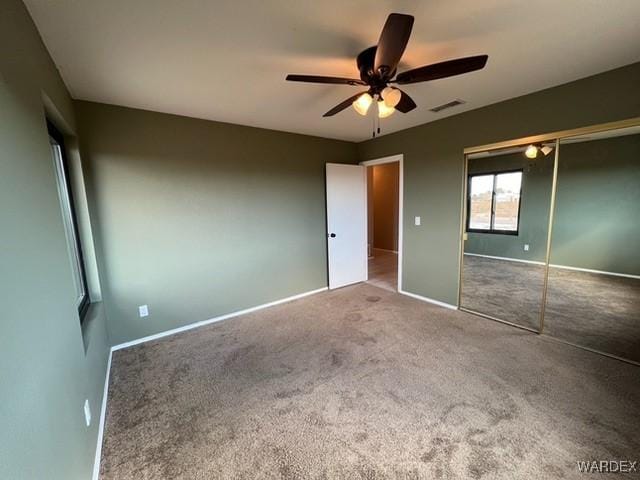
<point>46,369</point>
<point>597,216</point>
<point>433,163</point>
<point>537,178</point>
<point>197,219</point>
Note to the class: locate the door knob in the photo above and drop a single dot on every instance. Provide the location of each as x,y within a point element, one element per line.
<point>332,235</point>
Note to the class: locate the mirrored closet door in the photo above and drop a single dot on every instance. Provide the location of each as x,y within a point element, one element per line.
<point>550,236</point>
<point>593,294</point>
<point>508,204</point>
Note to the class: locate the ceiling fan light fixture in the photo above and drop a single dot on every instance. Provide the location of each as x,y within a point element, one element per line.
<point>384,110</point>
<point>377,65</point>
<point>531,151</point>
<point>391,96</point>
<point>546,150</point>
<point>362,104</point>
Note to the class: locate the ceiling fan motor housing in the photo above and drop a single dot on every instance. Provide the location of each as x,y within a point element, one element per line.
<point>365,62</point>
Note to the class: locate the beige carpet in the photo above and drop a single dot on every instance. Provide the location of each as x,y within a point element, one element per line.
<point>363,383</point>
<point>594,310</point>
<point>383,269</point>
<point>511,291</point>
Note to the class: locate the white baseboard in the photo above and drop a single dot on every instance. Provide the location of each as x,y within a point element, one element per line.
<point>103,414</point>
<point>506,259</point>
<point>601,272</point>
<point>385,250</point>
<point>562,267</point>
<point>202,323</point>
<point>429,300</point>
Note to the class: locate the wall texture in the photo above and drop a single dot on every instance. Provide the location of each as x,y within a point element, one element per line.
<point>197,219</point>
<point>433,163</point>
<point>385,185</point>
<point>596,209</point>
<point>46,372</point>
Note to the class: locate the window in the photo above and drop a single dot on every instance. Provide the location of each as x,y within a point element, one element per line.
<point>69,219</point>
<point>493,202</point>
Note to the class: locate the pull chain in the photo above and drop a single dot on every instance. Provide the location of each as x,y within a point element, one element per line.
<point>376,119</point>
<point>374,126</point>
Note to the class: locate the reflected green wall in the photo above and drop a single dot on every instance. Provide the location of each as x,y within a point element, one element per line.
<point>433,163</point>
<point>197,218</point>
<point>597,216</point>
<point>537,178</point>
<point>45,372</point>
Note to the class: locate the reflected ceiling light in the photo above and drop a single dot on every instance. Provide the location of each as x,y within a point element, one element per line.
<point>391,96</point>
<point>384,111</point>
<point>362,103</point>
<point>546,150</point>
<point>531,151</point>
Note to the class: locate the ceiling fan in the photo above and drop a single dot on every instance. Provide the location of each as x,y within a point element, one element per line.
<point>377,66</point>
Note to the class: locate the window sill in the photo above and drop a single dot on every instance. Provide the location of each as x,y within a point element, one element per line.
<point>495,232</point>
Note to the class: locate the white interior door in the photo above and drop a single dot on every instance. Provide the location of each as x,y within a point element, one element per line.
<point>346,224</point>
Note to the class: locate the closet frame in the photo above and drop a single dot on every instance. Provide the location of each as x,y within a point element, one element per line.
<point>555,137</point>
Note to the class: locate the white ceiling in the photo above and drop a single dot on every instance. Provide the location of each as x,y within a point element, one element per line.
<point>226,60</point>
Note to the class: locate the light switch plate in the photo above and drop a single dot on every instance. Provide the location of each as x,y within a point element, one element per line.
<point>87,412</point>
<point>143,310</point>
<point>417,221</point>
<point>526,247</point>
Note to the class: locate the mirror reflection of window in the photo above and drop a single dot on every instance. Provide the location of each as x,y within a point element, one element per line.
<point>494,202</point>
<point>481,191</point>
<point>507,200</point>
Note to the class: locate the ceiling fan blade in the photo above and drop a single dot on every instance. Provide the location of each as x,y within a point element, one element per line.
<point>393,40</point>
<point>341,106</point>
<point>321,79</point>
<point>406,103</point>
<point>442,69</point>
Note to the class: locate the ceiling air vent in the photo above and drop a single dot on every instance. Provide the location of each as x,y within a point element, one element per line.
<point>444,106</point>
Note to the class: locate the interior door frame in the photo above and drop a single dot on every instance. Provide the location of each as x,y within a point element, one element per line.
<point>379,161</point>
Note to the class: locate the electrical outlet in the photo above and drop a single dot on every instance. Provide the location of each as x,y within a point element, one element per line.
<point>417,221</point>
<point>143,310</point>
<point>526,247</point>
<point>87,412</point>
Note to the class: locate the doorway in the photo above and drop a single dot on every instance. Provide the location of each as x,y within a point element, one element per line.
<point>384,221</point>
